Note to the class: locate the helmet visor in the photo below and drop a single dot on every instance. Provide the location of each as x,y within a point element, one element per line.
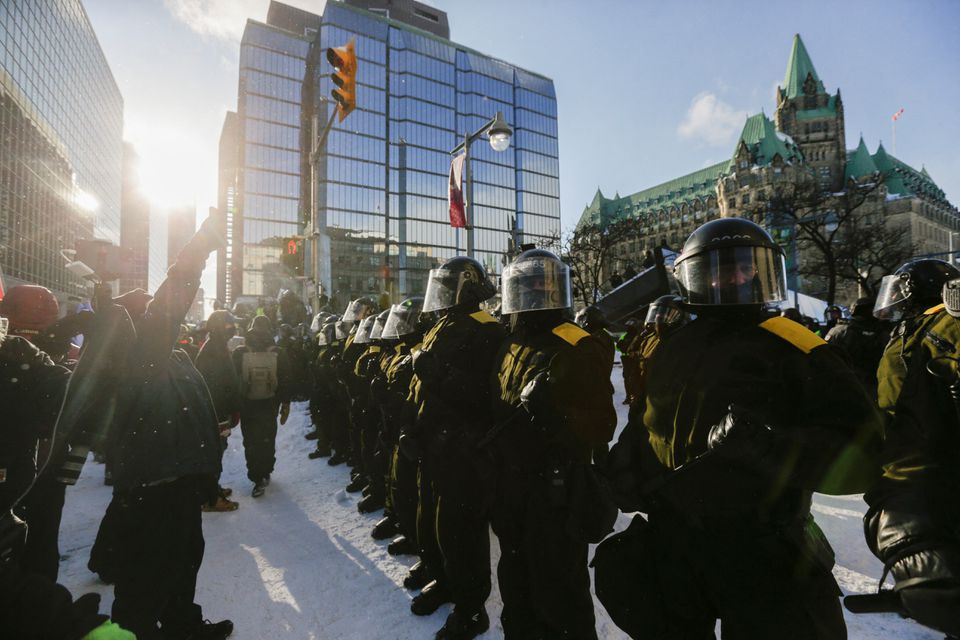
<point>363,331</point>
<point>442,288</point>
<point>342,330</point>
<point>660,315</point>
<point>892,297</point>
<point>536,284</point>
<point>377,331</point>
<point>402,321</point>
<point>733,275</point>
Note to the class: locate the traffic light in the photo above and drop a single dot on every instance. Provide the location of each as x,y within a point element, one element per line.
<point>292,256</point>
<point>344,61</point>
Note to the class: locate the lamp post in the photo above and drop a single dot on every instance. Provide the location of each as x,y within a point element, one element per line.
<point>499,132</point>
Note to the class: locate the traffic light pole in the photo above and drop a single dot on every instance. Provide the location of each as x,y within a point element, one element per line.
<point>315,236</point>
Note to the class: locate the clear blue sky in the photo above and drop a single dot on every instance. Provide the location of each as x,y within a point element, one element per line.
<point>647,90</point>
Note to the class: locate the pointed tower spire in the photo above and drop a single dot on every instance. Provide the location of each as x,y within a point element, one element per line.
<point>861,163</point>
<point>799,68</point>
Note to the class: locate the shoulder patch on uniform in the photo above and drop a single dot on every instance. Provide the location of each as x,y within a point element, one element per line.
<point>932,310</point>
<point>794,333</point>
<point>483,317</point>
<point>570,333</point>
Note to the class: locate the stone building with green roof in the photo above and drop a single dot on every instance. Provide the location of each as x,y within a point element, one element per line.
<point>805,141</point>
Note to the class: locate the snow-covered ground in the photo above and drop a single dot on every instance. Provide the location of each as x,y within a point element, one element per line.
<point>300,563</point>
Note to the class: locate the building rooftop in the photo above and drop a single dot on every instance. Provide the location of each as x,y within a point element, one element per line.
<point>799,66</point>
<point>764,142</point>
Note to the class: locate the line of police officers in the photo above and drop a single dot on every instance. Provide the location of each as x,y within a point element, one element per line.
<point>455,423</point>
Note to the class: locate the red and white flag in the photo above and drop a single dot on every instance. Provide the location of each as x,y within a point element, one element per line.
<point>898,115</point>
<point>458,215</point>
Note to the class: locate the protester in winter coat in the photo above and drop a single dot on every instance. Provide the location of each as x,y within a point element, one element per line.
<point>165,447</point>
<point>215,365</point>
<point>264,373</point>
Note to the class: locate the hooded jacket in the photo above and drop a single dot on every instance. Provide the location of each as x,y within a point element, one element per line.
<point>214,364</point>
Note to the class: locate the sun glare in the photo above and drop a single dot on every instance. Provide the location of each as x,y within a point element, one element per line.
<point>172,168</point>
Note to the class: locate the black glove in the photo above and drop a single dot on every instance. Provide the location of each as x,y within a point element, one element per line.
<point>535,396</point>
<point>379,390</point>
<point>741,434</point>
<point>426,365</point>
<point>410,447</point>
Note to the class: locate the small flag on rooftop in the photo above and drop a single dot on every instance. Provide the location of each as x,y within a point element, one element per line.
<point>898,115</point>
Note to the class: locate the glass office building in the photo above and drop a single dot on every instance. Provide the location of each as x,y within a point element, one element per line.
<point>374,203</point>
<point>61,125</point>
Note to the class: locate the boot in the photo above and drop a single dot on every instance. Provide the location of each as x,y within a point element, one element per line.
<point>429,600</point>
<point>401,546</point>
<point>463,627</point>
<point>357,484</point>
<point>226,492</point>
<point>370,504</point>
<point>319,453</point>
<point>418,577</point>
<point>336,458</point>
<point>313,435</point>
<point>221,504</point>
<point>387,527</point>
<point>211,630</point>
<point>259,488</point>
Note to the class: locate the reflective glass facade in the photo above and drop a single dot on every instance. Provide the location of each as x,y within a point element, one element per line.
<point>61,122</point>
<point>380,183</point>
<point>268,202</point>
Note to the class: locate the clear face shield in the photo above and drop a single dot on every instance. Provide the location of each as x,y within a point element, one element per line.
<point>443,285</point>
<point>732,276</point>
<point>342,330</point>
<point>892,297</point>
<point>356,311</point>
<point>402,321</point>
<point>663,315</point>
<point>377,331</point>
<point>536,284</point>
<point>364,330</point>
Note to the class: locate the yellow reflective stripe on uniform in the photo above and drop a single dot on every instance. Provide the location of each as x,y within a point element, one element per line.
<point>373,349</point>
<point>794,333</point>
<point>932,310</point>
<point>483,317</point>
<point>570,333</point>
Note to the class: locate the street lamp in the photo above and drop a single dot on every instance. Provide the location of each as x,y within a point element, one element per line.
<point>499,133</point>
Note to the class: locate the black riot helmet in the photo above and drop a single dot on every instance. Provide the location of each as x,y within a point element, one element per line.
<point>536,281</point>
<point>665,313</point>
<point>328,332</point>
<point>914,287</point>
<point>404,319</point>
<point>458,281</point>
<point>731,261</point>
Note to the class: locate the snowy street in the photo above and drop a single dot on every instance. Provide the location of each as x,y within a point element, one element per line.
<point>300,563</point>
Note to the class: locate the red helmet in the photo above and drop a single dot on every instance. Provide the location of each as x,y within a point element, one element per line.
<point>30,309</point>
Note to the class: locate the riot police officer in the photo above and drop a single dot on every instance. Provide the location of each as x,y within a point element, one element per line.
<point>746,416</point>
<point>913,524</point>
<point>553,405</point>
<point>450,388</point>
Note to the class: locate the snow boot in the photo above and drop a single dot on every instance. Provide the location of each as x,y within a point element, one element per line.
<point>319,453</point>
<point>259,488</point>
<point>418,577</point>
<point>430,599</point>
<point>221,504</point>
<point>211,630</point>
<point>402,546</point>
<point>463,627</point>
<point>387,527</point>
<point>336,458</point>
<point>226,492</point>
<point>356,484</point>
<point>370,504</point>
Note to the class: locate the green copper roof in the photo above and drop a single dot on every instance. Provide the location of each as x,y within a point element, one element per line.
<point>693,186</point>
<point>860,163</point>
<point>902,179</point>
<point>798,68</point>
<point>764,142</point>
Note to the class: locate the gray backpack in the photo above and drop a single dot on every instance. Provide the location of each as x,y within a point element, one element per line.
<point>260,374</point>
